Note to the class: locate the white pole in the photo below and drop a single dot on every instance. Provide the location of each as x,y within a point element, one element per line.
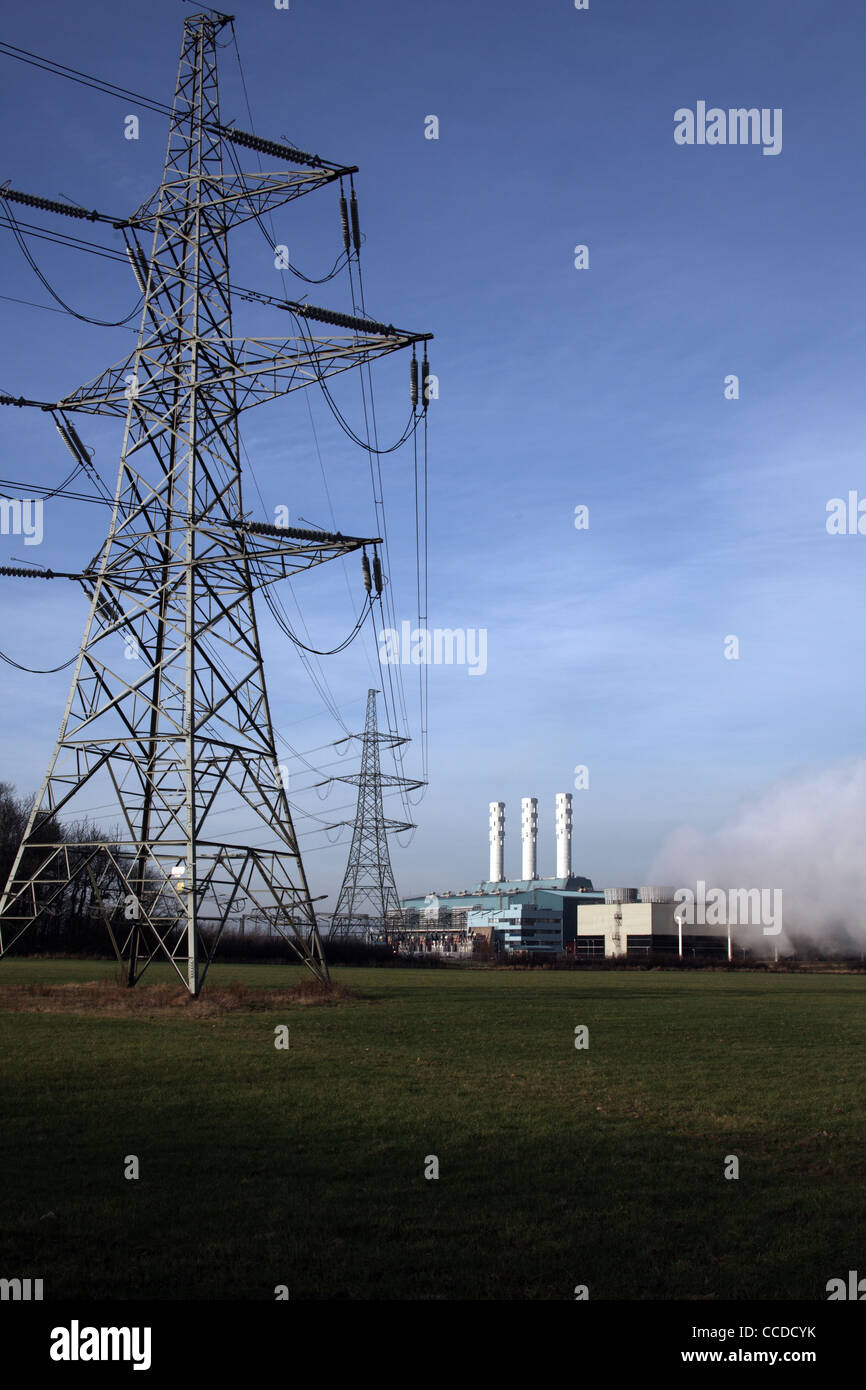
<point>497,841</point>
<point>529,830</point>
<point>563,834</point>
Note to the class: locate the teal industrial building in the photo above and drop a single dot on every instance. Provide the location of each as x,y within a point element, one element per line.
<point>441,920</point>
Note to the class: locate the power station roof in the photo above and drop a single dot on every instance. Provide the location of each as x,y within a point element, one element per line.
<point>526,885</point>
<point>498,894</point>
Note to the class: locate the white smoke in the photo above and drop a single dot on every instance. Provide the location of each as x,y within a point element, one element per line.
<point>806,836</point>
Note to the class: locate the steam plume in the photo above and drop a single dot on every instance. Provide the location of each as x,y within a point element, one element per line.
<point>806,836</point>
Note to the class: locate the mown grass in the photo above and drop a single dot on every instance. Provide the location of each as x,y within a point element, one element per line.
<point>558,1166</point>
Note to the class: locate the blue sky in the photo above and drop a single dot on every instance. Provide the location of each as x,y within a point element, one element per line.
<point>558,387</point>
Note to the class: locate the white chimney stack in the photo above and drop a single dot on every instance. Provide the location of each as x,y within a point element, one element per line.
<point>529,831</point>
<point>497,841</point>
<point>563,834</point>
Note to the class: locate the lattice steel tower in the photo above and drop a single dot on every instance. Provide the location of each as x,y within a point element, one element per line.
<point>368,889</point>
<point>168,716</point>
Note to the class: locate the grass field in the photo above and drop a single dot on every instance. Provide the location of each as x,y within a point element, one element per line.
<point>558,1166</point>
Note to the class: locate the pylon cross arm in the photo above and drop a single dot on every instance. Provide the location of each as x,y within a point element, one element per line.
<point>242,197</point>
<point>262,379</point>
<point>274,564</point>
<point>259,376</point>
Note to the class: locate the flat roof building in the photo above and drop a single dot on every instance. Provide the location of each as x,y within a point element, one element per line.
<point>633,928</point>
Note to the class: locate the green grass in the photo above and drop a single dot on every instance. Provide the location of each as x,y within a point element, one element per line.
<point>557,1166</point>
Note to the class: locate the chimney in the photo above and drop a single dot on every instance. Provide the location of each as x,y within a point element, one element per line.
<point>497,840</point>
<point>529,831</point>
<point>563,834</point>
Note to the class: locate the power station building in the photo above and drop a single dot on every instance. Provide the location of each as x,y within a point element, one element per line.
<point>645,921</point>
<point>520,927</point>
<point>551,915</point>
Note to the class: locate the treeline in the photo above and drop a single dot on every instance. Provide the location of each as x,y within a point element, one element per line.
<point>71,922</point>
<point>664,960</point>
<point>347,950</point>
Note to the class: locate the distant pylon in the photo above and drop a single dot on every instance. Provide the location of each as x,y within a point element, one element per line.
<point>368,895</point>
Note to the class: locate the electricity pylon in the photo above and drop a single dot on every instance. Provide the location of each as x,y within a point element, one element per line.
<point>168,720</point>
<point>368,889</point>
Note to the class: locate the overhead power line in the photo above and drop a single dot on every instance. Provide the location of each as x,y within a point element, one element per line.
<point>35,60</point>
<point>238,137</point>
